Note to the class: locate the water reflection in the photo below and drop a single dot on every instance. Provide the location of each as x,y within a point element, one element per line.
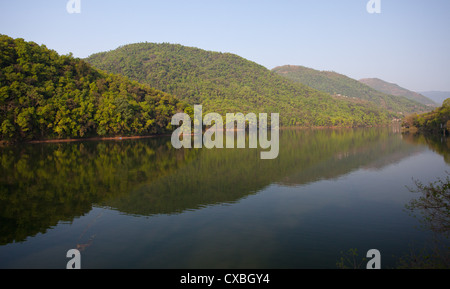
<point>438,144</point>
<point>44,184</point>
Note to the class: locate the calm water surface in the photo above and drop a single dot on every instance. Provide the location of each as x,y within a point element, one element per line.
<point>143,204</point>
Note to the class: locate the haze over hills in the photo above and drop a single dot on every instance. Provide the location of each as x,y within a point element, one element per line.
<point>343,86</point>
<point>394,89</point>
<point>224,83</point>
<point>437,96</point>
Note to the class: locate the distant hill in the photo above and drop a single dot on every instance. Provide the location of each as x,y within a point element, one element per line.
<point>47,96</point>
<point>342,86</point>
<point>394,89</point>
<point>437,96</point>
<point>224,83</point>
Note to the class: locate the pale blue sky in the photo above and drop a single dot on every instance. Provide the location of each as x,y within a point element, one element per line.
<point>408,43</point>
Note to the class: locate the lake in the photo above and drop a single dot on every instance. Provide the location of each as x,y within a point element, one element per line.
<point>143,204</point>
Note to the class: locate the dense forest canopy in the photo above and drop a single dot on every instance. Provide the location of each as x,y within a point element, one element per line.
<point>227,83</point>
<point>44,96</point>
<point>136,89</point>
<point>435,122</point>
<point>339,84</point>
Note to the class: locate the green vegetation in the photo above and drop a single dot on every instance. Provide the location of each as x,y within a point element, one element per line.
<point>342,86</point>
<point>433,204</point>
<point>433,207</point>
<point>351,260</point>
<point>44,96</point>
<point>434,256</point>
<point>47,96</point>
<point>227,83</point>
<point>394,89</point>
<point>435,122</point>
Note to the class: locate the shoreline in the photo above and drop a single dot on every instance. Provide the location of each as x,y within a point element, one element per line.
<point>116,138</point>
<point>120,138</point>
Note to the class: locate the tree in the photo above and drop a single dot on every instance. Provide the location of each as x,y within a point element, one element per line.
<point>44,95</point>
<point>433,204</point>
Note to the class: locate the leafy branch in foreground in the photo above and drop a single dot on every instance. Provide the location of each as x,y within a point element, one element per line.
<point>433,256</point>
<point>433,204</point>
<point>350,260</point>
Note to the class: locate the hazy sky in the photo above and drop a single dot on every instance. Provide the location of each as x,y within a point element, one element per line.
<point>408,43</point>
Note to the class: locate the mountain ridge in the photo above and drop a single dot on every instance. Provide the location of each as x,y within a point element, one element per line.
<point>343,86</point>
<point>437,96</point>
<point>225,82</point>
<point>395,89</point>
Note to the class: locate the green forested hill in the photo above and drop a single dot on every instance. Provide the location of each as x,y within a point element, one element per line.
<point>436,122</point>
<point>338,84</point>
<point>44,95</point>
<point>395,89</point>
<point>227,83</point>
